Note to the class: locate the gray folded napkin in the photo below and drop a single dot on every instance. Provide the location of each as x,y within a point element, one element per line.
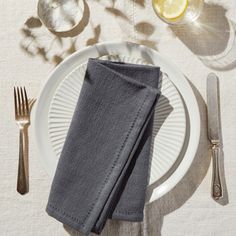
<point>103,168</point>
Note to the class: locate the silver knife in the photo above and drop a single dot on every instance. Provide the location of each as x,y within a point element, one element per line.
<point>214,132</point>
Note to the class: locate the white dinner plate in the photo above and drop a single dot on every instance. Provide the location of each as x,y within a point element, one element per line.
<point>172,138</point>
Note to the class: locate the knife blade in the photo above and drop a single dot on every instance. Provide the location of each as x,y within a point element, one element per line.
<point>214,132</point>
<point>213,109</point>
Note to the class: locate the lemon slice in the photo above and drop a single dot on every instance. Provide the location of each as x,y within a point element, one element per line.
<point>171,9</point>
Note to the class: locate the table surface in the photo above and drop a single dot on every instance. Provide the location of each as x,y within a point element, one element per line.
<point>29,52</point>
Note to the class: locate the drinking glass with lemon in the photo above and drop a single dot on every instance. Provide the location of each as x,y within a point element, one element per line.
<point>178,11</point>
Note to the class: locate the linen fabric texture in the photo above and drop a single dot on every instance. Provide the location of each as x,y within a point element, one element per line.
<point>103,168</point>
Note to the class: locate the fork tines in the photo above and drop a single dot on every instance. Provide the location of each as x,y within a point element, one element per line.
<point>21,102</point>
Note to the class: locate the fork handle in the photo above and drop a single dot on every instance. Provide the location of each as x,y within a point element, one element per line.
<point>23,165</point>
<point>216,182</point>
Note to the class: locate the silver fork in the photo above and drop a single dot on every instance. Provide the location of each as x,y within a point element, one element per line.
<point>22,117</point>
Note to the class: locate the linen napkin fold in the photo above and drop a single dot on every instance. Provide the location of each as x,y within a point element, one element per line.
<point>103,168</point>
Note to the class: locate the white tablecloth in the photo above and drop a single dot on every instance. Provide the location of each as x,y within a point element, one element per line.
<point>29,52</point>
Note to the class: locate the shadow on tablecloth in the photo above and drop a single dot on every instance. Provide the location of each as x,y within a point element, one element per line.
<point>54,47</point>
<point>212,37</point>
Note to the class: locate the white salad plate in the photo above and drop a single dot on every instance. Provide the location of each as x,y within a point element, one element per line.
<point>176,128</point>
<point>169,126</point>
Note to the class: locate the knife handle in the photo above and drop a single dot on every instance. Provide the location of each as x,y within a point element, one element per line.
<point>216,182</point>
